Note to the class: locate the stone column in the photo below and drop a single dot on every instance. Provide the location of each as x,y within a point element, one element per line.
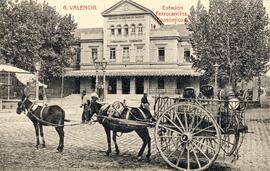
<point>132,85</point>
<point>146,85</point>
<point>119,86</point>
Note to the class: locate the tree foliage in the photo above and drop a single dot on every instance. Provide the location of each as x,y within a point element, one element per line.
<point>233,34</point>
<point>31,32</point>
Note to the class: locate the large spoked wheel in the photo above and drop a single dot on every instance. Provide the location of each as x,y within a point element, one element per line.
<point>230,137</point>
<point>187,137</point>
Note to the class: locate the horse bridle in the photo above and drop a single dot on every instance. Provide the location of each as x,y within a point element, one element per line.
<point>25,110</point>
<point>22,105</point>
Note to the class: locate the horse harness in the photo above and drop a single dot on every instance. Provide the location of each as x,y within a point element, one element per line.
<point>117,108</point>
<point>32,109</point>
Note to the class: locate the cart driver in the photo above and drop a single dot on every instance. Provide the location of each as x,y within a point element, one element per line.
<point>144,102</point>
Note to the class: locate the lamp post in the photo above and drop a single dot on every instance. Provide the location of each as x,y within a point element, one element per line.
<point>96,67</point>
<point>101,65</point>
<point>37,66</point>
<point>216,84</point>
<point>104,66</point>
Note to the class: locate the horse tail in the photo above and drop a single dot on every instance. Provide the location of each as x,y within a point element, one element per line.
<point>67,120</point>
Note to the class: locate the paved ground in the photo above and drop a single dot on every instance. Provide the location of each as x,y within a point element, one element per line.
<point>85,146</point>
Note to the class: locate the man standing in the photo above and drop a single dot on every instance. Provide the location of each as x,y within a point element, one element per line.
<point>144,102</point>
<point>85,104</point>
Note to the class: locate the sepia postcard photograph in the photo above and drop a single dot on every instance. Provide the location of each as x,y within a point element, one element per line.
<point>118,85</point>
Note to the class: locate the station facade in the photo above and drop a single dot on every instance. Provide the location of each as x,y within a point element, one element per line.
<point>143,55</point>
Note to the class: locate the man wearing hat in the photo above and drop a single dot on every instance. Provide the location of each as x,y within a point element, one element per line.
<point>85,104</point>
<point>144,102</point>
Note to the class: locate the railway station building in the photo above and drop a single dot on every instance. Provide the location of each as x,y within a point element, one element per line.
<point>143,55</point>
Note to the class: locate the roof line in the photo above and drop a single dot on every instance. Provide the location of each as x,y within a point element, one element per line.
<point>135,4</point>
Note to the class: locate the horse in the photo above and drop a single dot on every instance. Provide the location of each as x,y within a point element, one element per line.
<point>48,116</point>
<point>130,113</point>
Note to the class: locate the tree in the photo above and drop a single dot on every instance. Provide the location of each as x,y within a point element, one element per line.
<point>36,32</point>
<point>233,34</point>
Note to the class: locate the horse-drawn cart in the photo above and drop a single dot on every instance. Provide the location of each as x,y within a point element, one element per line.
<point>190,133</point>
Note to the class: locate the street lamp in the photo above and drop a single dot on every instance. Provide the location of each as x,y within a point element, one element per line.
<point>37,66</point>
<point>216,84</point>
<point>101,65</point>
<point>104,65</point>
<point>96,67</point>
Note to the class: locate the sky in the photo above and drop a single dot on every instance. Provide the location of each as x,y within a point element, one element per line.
<point>91,17</point>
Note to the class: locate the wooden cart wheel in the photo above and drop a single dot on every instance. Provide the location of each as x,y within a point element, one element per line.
<point>187,137</point>
<point>230,137</point>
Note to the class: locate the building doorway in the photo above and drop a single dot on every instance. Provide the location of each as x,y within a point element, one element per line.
<point>112,85</point>
<point>139,85</point>
<point>77,86</point>
<point>125,85</point>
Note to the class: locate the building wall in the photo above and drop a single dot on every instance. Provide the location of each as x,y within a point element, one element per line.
<point>130,40</point>
<point>86,53</point>
<point>171,50</point>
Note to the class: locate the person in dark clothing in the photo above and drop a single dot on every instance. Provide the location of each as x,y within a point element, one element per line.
<point>85,103</point>
<point>145,103</point>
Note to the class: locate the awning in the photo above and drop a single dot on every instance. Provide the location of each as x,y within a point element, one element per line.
<point>24,78</point>
<point>22,75</point>
<point>9,68</point>
<point>136,72</point>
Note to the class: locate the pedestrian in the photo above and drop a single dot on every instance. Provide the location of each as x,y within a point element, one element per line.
<point>144,102</point>
<point>85,104</point>
<point>100,89</point>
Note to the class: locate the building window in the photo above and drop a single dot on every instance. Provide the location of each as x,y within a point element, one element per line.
<point>125,53</point>
<point>139,57</point>
<point>94,54</point>
<point>187,55</point>
<point>112,53</point>
<point>126,30</point>
<point>161,83</point>
<point>112,30</point>
<point>161,54</point>
<point>119,30</point>
<point>140,29</point>
<point>133,29</point>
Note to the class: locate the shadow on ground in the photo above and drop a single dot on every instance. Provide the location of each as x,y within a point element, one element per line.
<point>24,156</point>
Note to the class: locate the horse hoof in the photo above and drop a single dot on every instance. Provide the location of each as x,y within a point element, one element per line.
<point>60,150</point>
<point>108,153</point>
<point>37,146</point>
<point>43,145</point>
<point>148,159</point>
<point>139,158</point>
<point>117,152</point>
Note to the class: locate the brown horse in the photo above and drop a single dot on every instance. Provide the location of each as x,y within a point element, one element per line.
<point>128,113</point>
<point>47,116</point>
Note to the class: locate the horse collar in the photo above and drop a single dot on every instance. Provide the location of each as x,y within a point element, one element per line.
<point>33,107</point>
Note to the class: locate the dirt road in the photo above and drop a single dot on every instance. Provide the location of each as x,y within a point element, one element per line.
<point>85,146</point>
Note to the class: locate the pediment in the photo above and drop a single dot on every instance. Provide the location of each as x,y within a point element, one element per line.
<point>125,7</point>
